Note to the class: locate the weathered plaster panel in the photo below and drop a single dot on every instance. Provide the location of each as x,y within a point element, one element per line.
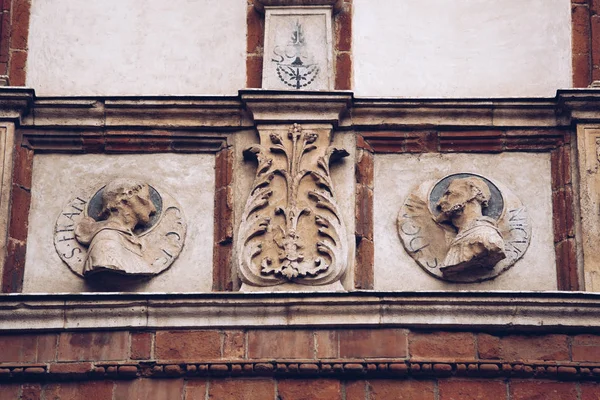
<point>58,178</point>
<point>526,174</point>
<point>461,48</point>
<point>80,47</point>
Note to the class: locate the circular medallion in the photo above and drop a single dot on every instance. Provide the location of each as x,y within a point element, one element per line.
<point>464,228</point>
<point>135,229</point>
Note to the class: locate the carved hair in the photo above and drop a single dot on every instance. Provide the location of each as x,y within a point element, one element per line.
<point>118,192</point>
<point>479,189</point>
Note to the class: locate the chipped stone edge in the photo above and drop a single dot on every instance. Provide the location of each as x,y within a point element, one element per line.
<point>500,311</point>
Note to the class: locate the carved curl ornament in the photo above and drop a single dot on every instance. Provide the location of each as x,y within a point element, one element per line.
<point>126,227</point>
<point>292,229</point>
<point>464,228</point>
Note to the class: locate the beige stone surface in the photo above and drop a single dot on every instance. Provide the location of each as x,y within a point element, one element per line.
<point>298,48</point>
<point>135,229</point>
<point>7,139</point>
<point>461,48</point>
<point>526,174</point>
<point>482,230</point>
<point>133,47</point>
<point>543,311</point>
<point>342,174</point>
<point>58,178</point>
<point>588,148</point>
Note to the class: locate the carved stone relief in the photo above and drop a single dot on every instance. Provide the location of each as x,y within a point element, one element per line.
<point>126,227</point>
<point>464,228</point>
<point>298,48</point>
<point>291,229</point>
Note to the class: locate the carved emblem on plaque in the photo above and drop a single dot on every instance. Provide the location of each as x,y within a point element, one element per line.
<point>464,228</point>
<point>295,67</point>
<point>292,229</point>
<point>126,227</point>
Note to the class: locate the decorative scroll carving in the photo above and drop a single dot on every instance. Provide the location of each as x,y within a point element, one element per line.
<point>126,227</point>
<point>463,228</point>
<point>292,229</point>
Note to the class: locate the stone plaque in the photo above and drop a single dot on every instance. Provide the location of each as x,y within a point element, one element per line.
<point>298,49</point>
<point>464,228</point>
<point>126,226</point>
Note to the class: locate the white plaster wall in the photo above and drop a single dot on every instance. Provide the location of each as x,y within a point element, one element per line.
<point>461,48</point>
<point>137,47</point>
<point>57,178</point>
<point>527,175</point>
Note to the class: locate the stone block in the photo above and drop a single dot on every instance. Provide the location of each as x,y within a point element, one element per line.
<point>234,344</point>
<point>471,390</point>
<point>90,390</point>
<point>401,389</point>
<point>141,345</point>
<point>149,389</point>
<point>241,389</point>
<point>318,389</point>
<point>188,345</point>
<point>450,345</point>
<point>373,343</point>
<point>93,346</point>
<point>522,390</point>
<point>279,343</point>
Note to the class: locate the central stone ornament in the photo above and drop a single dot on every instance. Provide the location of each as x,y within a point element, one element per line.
<point>292,229</point>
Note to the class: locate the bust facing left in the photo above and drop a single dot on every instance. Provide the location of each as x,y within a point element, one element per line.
<point>127,227</point>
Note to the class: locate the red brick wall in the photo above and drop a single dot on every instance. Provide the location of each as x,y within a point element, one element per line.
<point>585,19</point>
<point>14,32</point>
<point>299,364</point>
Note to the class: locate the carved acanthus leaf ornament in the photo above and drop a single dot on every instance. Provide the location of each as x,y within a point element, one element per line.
<point>292,229</point>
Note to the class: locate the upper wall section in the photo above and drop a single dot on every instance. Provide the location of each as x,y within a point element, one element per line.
<point>137,47</point>
<point>461,48</point>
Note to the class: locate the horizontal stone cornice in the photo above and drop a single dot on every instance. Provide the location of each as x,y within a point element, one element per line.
<point>252,106</point>
<point>168,112</point>
<point>456,112</point>
<point>495,311</point>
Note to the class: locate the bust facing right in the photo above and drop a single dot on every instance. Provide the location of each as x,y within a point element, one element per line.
<point>113,245</point>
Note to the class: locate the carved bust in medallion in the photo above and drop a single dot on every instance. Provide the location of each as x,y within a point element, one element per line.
<point>464,228</point>
<point>126,227</point>
<point>478,242</point>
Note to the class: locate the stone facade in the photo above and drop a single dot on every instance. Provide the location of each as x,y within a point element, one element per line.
<point>405,217</point>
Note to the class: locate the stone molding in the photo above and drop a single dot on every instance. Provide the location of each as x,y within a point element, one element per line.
<point>492,311</point>
<point>269,106</point>
<point>167,111</point>
<point>260,5</point>
<point>15,103</point>
<point>222,113</point>
<point>343,368</point>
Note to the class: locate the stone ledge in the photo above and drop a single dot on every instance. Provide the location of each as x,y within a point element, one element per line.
<point>261,4</point>
<point>224,113</point>
<point>490,311</point>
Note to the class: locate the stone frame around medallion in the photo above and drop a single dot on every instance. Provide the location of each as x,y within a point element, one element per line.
<point>129,126</point>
